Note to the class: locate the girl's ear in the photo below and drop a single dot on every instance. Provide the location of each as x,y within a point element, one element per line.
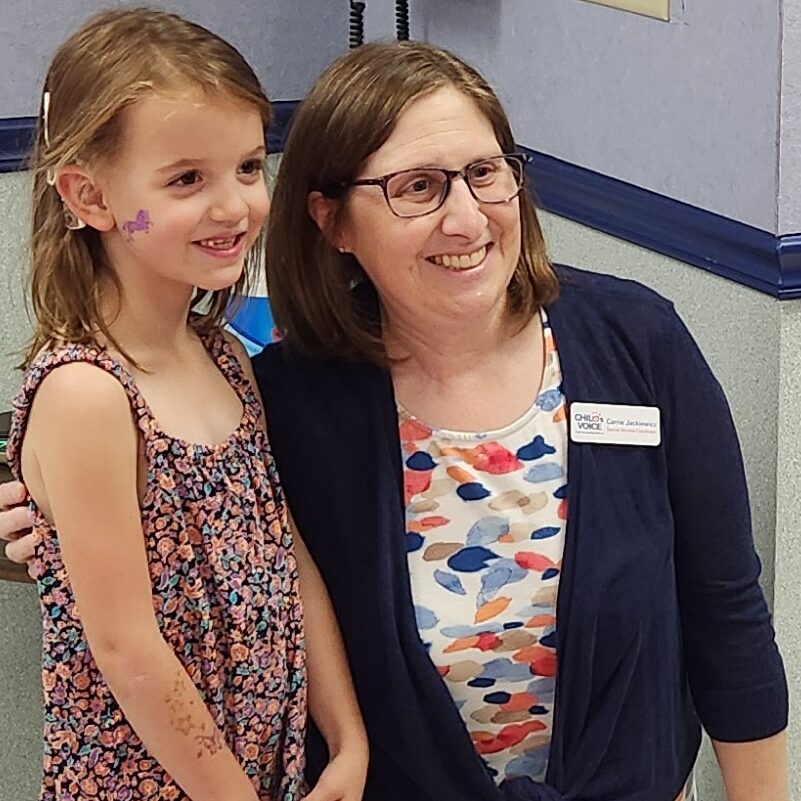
<point>83,197</point>
<point>323,210</point>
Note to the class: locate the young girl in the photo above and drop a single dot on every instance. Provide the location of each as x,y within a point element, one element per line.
<point>174,662</point>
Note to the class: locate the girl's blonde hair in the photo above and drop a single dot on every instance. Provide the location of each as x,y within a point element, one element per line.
<point>117,57</point>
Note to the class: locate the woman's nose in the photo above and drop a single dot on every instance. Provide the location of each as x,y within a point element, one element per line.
<point>462,213</point>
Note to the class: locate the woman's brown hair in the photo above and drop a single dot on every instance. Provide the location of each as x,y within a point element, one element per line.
<point>349,113</point>
<point>115,58</point>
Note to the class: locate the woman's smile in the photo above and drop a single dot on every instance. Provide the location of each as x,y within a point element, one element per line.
<point>459,262</point>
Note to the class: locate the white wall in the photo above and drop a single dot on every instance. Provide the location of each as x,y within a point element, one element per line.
<point>688,109</point>
<point>288,42</point>
<point>790,141</point>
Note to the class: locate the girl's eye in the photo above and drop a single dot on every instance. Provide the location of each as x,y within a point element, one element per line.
<point>252,167</point>
<point>186,179</point>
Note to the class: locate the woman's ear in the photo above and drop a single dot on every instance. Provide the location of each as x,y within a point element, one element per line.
<point>323,210</point>
<point>83,197</point>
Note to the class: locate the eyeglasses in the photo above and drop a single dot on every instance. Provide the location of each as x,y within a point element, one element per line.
<point>413,193</point>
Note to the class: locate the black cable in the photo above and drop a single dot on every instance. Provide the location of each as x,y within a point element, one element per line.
<point>402,19</point>
<point>356,36</point>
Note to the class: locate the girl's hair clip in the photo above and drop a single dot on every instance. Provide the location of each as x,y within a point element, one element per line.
<point>46,117</point>
<point>50,175</point>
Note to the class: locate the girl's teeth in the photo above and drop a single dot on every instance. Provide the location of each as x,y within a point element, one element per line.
<point>218,244</point>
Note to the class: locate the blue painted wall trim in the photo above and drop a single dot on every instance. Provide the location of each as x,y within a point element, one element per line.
<point>750,256</point>
<point>747,255</point>
<point>16,140</point>
<point>282,114</point>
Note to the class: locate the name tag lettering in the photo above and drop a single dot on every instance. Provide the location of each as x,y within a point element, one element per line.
<point>615,424</point>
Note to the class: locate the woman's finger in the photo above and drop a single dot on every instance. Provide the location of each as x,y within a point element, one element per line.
<point>20,550</point>
<point>14,522</point>
<point>11,493</point>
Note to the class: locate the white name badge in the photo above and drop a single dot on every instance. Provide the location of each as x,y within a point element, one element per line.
<point>614,424</point>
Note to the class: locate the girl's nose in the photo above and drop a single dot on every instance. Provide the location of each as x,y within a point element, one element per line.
<point>229,205</point>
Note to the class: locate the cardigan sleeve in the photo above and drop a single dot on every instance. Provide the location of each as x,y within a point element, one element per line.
<point>735,671</point>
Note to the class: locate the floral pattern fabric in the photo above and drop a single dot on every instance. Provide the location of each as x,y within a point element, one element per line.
<point>225,592</point>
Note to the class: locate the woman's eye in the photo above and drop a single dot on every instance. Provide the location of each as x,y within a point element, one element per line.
<point>186,179</point>
<point>418,185</point>
<point>483,172</point>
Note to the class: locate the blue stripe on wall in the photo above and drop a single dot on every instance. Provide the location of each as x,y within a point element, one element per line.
<point>734,250</point>
<point>16,140</point>
<point>718,244</point>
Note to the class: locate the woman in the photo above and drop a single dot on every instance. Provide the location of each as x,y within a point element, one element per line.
<point>482,451</point>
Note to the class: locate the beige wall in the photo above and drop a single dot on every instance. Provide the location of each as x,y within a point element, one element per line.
<point>20,696</point>
<point>747,337</point>
<point>14,325</point>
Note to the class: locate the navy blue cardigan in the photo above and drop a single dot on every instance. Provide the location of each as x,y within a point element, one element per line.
<point>661,620</point>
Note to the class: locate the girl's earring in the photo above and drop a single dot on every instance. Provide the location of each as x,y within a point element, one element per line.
<point>72,222</point>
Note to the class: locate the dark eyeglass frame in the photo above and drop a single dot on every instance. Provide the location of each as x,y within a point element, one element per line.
<point>450,175</point>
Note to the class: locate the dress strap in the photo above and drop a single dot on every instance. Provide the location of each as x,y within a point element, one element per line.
<point>48,361</point>
<point>225,357</point>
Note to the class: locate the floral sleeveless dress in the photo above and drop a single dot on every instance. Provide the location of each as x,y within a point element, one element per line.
<point>225,592</point>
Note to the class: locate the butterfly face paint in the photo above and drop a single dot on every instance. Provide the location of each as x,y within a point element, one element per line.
<point>185,226</point>
<point>141,224</point>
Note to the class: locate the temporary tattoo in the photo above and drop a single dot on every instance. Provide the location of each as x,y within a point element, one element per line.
<point>181,714</point>
<point>180,708</point>
<point>210,743</point>
<point>141,224</point>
